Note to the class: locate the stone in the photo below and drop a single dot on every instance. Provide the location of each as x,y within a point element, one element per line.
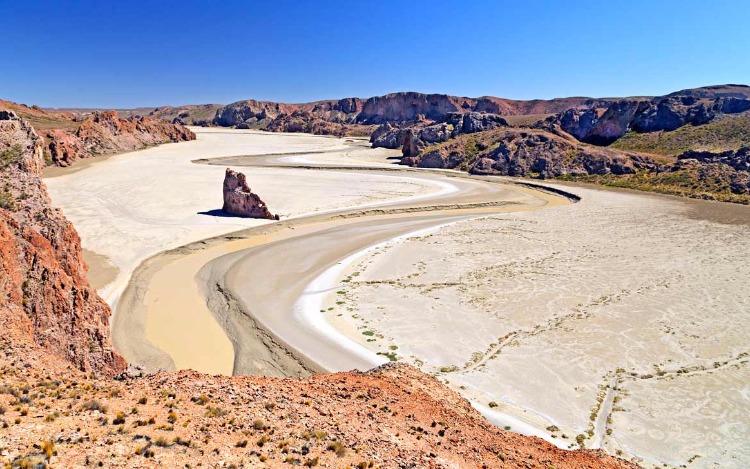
<point>240,201</point>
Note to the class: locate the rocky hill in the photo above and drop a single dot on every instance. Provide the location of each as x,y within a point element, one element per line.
<point>307,122</point>
<point>539,153</point>
<point>103,133</point>
<point>43,287</point>
<point>191,114</point>
<point>69,136</point>
<point>60,406</point>
<point>603,126</point>
<point>411,106</point>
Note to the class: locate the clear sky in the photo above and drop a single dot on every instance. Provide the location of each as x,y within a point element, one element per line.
<point>132,53</point>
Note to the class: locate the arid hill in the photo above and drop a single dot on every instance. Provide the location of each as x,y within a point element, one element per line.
<point>103,133</point>
<point>69,136</point>
<point>43,288</point>
<point>59,404</point>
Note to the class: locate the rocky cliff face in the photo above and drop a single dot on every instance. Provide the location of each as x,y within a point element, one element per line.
<point>604,126</point>
<point>411,106</point>
<point>104,133</point>
<point>415,138</point>
<point>260,114</point>
<point>525,152</point>
<point>43,286</point>
<point>308,122</point>
<point>406,107</point>
<point>239,200</point>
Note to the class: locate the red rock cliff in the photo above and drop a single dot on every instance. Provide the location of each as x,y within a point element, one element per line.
<point>44,293</point>
<point>105,133</point>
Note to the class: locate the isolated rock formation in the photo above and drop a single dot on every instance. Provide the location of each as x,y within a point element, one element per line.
<point>43,288</point>
<point>239,200</point>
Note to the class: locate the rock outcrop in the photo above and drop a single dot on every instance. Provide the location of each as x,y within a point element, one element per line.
<point>240,201</point>
<point>104,133</point>
<point>308,122</point>
<point>516,152</point>
<point>43,288</point>
<point>602,126</point>
<point>414,138</point>
<point>251,114</point>
<point>739,159</point>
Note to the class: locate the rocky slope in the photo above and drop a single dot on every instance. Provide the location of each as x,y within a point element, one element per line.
<point>69,136</point>
<point>240,201</point>
<point>414,138</point>
<point>729,132</point>
<point>54,411</point>
<point>525,152</point>
<point>104,133</point>
<point>603,126</point>
<point>43,287</point>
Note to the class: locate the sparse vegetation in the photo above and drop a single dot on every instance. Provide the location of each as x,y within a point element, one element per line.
<point>94,405</point>
<point>215,412</point>
<point>337,448</point>
<point>729,133</point>
<point>10,156</point>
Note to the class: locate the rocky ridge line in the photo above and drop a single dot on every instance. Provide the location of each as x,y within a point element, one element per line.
<point>104,133</point>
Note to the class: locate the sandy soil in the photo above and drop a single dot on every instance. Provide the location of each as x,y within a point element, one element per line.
<point>131,206</point>
<point>622,318</point>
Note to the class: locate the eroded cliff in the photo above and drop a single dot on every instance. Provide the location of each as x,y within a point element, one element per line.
<point>43,286</point>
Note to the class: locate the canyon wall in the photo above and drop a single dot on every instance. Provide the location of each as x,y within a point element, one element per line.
<point>102,133</point>
<point>43,288</point>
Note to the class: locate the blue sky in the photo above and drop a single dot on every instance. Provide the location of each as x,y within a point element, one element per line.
<point>127,54</point>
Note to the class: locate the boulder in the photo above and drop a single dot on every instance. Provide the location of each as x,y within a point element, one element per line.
<point>240,201</point>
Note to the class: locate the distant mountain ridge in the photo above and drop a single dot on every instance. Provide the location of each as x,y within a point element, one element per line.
<point>402,106</point>
<point>651,140</point>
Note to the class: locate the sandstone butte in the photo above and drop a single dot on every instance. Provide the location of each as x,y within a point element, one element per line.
<point>240,201</point>
<point>66,401</point>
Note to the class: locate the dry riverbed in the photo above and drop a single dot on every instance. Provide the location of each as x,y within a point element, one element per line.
<point>617,322</point>
<point>622,318</point>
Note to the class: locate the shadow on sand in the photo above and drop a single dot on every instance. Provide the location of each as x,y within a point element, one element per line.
<point>217,212</point>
